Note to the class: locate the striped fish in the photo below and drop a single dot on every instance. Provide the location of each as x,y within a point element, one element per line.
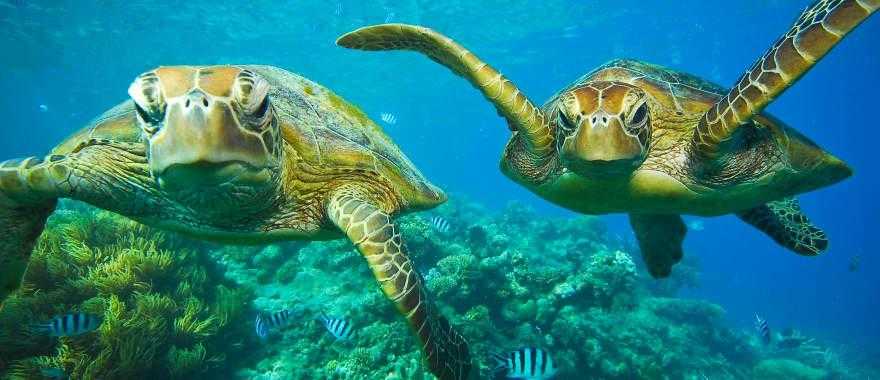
<point>527,363</point>
<point>763,329</point>
<point>389,118</point>
<point>440,224</point>
<point>340,328</point>
<point>275,320</point>
<point>68,325</point>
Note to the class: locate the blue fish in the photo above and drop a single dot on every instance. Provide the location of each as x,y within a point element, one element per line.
<point>527,363</point>
<point>340,328</point>
<point>276,320</point>
<point>763,329</point>
<point>68,325</point>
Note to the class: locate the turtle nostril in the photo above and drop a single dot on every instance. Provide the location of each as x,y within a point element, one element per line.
<point>205,102</point>
<point>604,119</point>
<point>186,104</point>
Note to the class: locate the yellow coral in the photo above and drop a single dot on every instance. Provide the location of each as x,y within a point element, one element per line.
<point>156,297</point>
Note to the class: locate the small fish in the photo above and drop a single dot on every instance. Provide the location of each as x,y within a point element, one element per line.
<point>854,263</point>
<point>274,320</point>
<point>792,342</point>
<point>339,10</point>
<point>261,327</point>
<point>763,329</point>
<point>53,373</point>
<point>570,32</point>
<point>527,363</point>
<point>340,328</point>
<point>389,17</point>
<point>791,339</point>
<point>388,118</point>
<point>696,225</point>
<point>69,325</point>
<point>44,108</point>
<point>440,224</point>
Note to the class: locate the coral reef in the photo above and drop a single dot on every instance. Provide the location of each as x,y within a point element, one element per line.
<point>174,308</point>
<point>507,280</point>
<point>770,369</point>
<point>167,312</point>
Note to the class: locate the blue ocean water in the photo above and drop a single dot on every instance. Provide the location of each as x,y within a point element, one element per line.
<point>64,62</point>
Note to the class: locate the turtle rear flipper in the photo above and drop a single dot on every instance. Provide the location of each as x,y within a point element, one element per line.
<point>784,221</point>
<point>23,214</point>
<point>816,31</point>
<point>660,238</point>
<point>378,239</point>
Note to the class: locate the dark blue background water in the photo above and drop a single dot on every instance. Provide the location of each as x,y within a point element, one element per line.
<point>77,60</point>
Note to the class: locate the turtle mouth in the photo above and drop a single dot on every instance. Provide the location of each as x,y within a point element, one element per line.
<point>200,175</point>
<point>603,168</point>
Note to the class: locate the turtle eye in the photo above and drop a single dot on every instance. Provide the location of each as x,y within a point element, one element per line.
<point>261,110</point>
<point>150,118</point>
<point>564,121</point>
<point>252,93</point>
<point>640,116</point>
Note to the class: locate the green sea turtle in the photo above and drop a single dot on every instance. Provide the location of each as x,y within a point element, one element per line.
<point>642,139</point>
<point>239,154</point>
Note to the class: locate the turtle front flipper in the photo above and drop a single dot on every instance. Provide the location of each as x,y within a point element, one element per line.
<point>785,223</point>
<point>378,239</point>
<point>660,238</point>
<point>24,208</point>
<point>816,31</point>
<point>535,137</point>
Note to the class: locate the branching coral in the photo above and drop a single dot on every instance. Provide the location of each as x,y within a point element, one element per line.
<point>504,280</point>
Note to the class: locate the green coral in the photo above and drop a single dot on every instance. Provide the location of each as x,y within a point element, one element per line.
<point>771,369</point>
<point>504,280</point>
<point>166,312</point>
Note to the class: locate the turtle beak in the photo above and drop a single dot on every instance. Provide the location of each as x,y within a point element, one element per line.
<point>600,147</point>
<point>202,144</point>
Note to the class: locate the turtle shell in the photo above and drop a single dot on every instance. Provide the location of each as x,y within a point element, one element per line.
<point>116,124</point>
<point>674,89</point>
<point>323,129</point>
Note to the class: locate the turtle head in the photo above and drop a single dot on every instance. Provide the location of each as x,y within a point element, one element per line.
<point>206,126</point>
<point>604,129</point>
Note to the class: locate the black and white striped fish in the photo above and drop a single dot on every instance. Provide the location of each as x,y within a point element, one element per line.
<point>527,363</point>
<point>763,329</point>
<point>275,320</point>
<point>68,325</point>
<point>440,224</point>
<point>340,328</point>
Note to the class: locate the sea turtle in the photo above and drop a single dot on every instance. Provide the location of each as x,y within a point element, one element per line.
<point>239,154</point>
<point>656,143</point>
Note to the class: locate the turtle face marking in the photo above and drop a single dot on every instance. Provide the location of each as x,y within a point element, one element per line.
<point>604,129</point>
<point>206,126</point>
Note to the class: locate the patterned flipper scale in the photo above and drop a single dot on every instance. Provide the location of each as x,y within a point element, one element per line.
<point>378,239</point>
<point>816,31</point>
<point>784,221</point>
<point>24,208</point>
